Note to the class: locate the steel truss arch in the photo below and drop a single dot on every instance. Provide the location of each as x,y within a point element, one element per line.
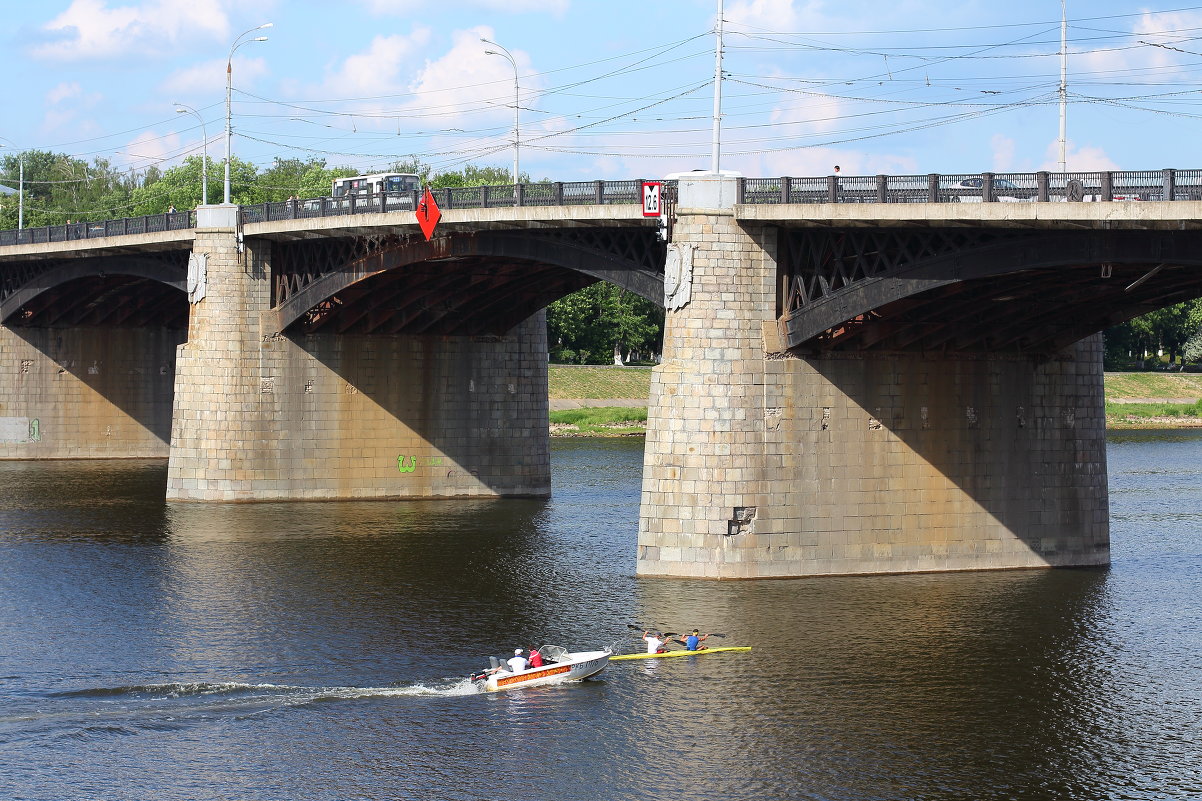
<point>979,290</point>
<point>463,283</point>
<point>33,291</point>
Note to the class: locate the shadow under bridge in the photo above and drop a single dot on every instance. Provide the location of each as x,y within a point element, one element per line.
<point>975,290</point>
<point>473,283</point>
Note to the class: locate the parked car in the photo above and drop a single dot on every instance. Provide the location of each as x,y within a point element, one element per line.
<point>969,191</point>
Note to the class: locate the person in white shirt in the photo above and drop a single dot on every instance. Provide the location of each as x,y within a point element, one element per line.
<point>655,642</point>
<point>518,662</point>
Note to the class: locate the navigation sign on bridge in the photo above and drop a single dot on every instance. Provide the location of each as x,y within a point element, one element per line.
<point>651,198</point>
<point>428,214</point>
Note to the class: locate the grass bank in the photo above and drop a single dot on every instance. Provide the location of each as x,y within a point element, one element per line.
<point>1133,400</point>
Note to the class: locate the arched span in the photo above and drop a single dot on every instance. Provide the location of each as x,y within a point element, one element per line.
<point>1016,291</point>
<point>474,283</point>
<point>112,290</point>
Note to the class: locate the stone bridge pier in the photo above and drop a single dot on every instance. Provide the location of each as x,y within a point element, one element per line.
<point>761,462</point>
<point>262,414</point>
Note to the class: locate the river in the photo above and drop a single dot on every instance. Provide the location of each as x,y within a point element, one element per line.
<point>161,651</point>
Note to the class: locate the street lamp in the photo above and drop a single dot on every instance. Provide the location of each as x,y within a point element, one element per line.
<point>501,51</point>
<point>180,108</point>
<point>229,73</point>
<point>20,187</point>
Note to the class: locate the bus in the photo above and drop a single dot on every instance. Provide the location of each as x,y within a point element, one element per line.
<point>373,184</point>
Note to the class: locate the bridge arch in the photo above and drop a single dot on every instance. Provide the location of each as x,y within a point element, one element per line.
<point>983,290</point>
<point>125,290</point>
<point>482,282</point>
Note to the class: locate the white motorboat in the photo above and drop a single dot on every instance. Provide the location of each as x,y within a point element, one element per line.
<point>559,665</point>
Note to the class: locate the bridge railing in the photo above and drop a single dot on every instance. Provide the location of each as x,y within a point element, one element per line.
<point>149,224</point>
<point>985,187</point>
<point>558,193</point>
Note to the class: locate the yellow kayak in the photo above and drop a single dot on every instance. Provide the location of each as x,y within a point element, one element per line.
<point>702,652</point>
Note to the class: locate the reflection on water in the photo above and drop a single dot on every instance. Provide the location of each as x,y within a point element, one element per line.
<point>318,651</point>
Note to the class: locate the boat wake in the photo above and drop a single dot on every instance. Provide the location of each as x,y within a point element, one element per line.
<point>292,695</point>
<point>105,712</point>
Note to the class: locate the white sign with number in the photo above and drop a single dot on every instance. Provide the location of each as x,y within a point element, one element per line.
<point>651,198</point>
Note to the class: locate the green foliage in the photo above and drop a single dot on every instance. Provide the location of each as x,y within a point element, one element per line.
<point>600,415</point>
<point>1175,330</point>
<point>587,327</point>
<point>58,188</point>
<point>472,175</point>
<point>303,179</point>
<point>598,382</point>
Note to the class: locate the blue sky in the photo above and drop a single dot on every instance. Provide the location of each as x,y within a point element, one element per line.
<point>615,89</point>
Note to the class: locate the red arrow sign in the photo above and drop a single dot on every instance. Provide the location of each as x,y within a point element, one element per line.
<point>428,214</point>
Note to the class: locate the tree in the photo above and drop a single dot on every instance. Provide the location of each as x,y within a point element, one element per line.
<point>600,323</point>
<point>295,177</point>
<point>472,175</point>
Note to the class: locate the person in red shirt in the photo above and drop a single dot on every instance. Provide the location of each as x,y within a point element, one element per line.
<point>536,659</point>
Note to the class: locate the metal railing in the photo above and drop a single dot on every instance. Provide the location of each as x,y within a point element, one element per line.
<point>577,193</point>
<point>150,224</point>
<point>985,187</point>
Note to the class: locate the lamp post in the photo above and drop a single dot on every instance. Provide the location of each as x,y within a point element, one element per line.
<point>229,73</point>
<point>180,108</point>
<point>20,187</point>
<point>501,51</point>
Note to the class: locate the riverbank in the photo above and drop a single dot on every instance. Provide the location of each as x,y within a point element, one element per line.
<point>599,401</point>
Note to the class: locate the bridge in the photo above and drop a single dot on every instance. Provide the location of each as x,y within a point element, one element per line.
<point>861,374</point>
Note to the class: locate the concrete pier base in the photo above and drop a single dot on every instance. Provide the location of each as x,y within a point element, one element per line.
<point>763,464</point>
<point>261,415</point>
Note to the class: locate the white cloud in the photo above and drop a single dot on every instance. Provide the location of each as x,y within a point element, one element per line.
<point>1078,158</point>
<point>149,149</point>
<point>390,85</point>
<point>91,29</point>
<point>65,103</point>
<point>209,77</point>
<point>1150,61</point>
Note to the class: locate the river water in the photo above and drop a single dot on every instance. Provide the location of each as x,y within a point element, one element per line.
<point>316,651</point>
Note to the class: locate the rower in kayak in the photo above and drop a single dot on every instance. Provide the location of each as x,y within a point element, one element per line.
<point>656,642</point>
<point>693,641</point>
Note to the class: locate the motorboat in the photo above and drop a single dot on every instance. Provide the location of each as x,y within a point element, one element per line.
<point>559,665</point>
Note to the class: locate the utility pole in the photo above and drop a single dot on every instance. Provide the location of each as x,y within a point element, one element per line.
<point>716,155</point>
<point>1063,83</point>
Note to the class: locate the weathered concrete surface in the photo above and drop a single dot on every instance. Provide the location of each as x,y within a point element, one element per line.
<point>759,464</point>
<point>86,393</point>
<point>260,416</point>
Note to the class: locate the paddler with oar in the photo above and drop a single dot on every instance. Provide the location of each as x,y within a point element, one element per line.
<point>656,642</point>
<point>694,640</point>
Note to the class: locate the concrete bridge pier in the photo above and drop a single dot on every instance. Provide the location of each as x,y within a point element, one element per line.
<point>263,415</point>
<point>760,463</point>
<point>85,392</point>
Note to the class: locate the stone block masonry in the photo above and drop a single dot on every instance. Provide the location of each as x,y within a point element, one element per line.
<point>261,415</point>
<point>86,393</point>
<point>763,464</point>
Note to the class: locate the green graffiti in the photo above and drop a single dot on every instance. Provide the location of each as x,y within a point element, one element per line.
<point>401,464</point>
<point>35,430</point>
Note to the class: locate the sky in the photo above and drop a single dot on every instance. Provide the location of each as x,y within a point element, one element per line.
<point>609,89</point>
